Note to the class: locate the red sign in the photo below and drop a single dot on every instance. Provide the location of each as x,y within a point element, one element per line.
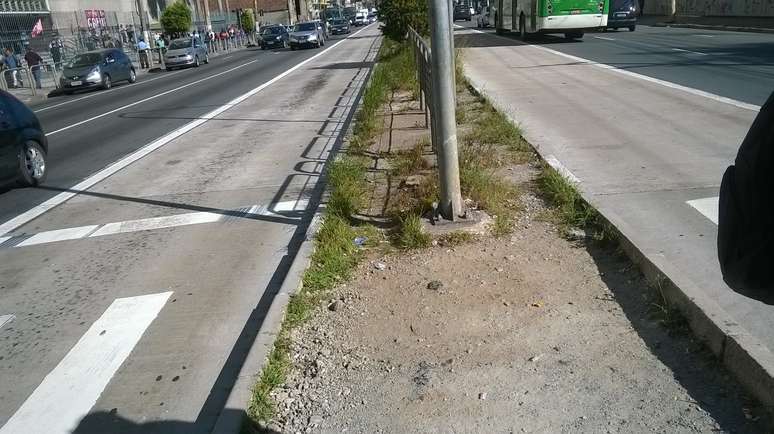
<point>95,19</point>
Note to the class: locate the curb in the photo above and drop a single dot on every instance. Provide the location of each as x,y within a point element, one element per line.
<point>234,412</point>
<point>751,362</point>
<point>715,27</point>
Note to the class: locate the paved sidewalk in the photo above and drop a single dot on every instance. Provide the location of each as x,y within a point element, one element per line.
<point>650,158</point>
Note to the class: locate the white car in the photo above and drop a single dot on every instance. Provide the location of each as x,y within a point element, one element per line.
<point>485,18</point>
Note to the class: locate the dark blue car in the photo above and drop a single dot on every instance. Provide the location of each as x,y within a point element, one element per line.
<point>23,144</point>
<point>274,37</point>
<point>623,13</point>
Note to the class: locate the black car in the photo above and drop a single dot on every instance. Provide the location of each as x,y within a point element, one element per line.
<point>23,144</point>
<point>623,13</point>
<point>274,37</point>
<point>339,26</point>
<point>462,12</point>
<point>100,68</point>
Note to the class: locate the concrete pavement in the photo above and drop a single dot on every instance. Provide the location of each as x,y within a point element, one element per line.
<point>644,152</point>
<point>164,270</point>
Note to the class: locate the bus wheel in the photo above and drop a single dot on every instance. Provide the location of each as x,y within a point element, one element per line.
<point>631,28</point>
<point>522,27</point>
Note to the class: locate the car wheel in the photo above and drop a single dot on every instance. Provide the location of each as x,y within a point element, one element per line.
<point>132,76</point>
<point>106,83</point>
<point>32,164</point>
<point>196,62</point>
<point>292,48</point>
<point>263,47</point>
<point>631,28</point>
<point>169,69</point>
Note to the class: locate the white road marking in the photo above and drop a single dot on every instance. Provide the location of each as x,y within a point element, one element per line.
<point>4,239</point>
<point>72,388</point>
<point>682,88</point>
<point>92,95</point>
<point>705,36</point>
<point>605,38</point>
<point>689,51</point>
<point>57,235</point>
<point>5,319</point>
<point>148,99</point>
<point>89,182</point>
<point>708,207</point>
<point>564,171</point>
<point>155,223</point>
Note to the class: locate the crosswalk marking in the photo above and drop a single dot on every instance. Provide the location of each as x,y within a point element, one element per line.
<point>71,389</point>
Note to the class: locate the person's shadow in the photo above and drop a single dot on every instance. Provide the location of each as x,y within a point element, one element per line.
<point>102,422</point>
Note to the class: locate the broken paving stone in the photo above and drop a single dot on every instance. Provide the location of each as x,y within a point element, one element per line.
<point>413,181</point>
<point>535,358</point>
<point>435,285</point>
<point>482,395</point>
<point>576,234</point>
<point>380,266</point>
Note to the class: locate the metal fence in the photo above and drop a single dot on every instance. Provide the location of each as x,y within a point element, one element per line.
<point>424,73</point>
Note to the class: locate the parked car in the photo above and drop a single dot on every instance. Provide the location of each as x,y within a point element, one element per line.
<point>462,12</point>
<point>485,18</point>
<point>623,13</point>
<point>339,26</point>
<point>23,144</point>
<point>274,37</point>
<point>306,34</point>
<point>99,68</point>
<point>186,52</point>
<point>371,17</point>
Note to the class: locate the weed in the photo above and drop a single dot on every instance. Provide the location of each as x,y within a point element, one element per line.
<point>455,238</point>
<point>346,178</point>
<point>572,210</point>
<point>409,162</point>
<point>411,235</point>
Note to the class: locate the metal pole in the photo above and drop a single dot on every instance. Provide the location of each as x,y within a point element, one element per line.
<point>143,21</point>
<point>207,19</point>
<point>443,98</point>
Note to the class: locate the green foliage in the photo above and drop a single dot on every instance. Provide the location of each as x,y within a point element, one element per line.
<point>411,235</point>
<point>571,208</point>
<point>248,20</point>
<point>346,178</point>
<point>398,15</point>
<point>176,18</point>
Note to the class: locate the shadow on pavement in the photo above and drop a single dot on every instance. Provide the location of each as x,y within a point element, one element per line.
<point>346,65</point>
<point>318,152</point>
<point>668,337</point>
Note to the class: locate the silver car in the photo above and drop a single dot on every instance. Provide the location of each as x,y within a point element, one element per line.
<point>306,34</point>
<point>186,52</point>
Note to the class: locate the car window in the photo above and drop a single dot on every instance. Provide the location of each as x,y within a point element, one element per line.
<point>180,43</point>
<point>85,59</point>
<point>305,27</point>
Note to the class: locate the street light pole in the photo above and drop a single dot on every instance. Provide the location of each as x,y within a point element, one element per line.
<point>450,205</point>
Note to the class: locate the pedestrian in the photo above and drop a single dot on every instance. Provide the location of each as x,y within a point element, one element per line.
<point>55,49</point>
<point>142,48</point>
<point>35,62</point>
<point>12,63</point>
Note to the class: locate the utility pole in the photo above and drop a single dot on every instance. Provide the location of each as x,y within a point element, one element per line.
<point>207,20</point>
<point>228,15</point>
<point>442,58</point>
<point>143,20</point>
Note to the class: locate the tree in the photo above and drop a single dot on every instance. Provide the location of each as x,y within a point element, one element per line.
<point>398,15</point>
<point>176,18</point>
<point>248,21</point>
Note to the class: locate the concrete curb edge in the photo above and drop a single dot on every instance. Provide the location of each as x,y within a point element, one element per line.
<point>741,353</point>
<point>233,414</point>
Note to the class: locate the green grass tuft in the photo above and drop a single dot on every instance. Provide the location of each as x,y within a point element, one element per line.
<point>411,235</point>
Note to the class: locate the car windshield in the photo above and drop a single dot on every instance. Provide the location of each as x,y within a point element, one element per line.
<point>339,22</point>
<point>271,31</point>
<point>305,27</point>
<point>85,59</point>
<point>180,43</point>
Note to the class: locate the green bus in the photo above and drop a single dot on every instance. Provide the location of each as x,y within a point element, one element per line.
<point>570,17</point>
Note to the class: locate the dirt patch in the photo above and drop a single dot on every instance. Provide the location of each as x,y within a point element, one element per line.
<point>530,333</point>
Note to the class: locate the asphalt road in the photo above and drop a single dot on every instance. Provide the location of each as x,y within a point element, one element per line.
<point>131,306</point>
<point>82,139</point>
<point>731,64</point>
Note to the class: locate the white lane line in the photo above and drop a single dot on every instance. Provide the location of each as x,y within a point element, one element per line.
<point>688,51</point>
<point>605,38</point>
<point>148,98</point>
<point>705,36</point>
<point>668,84</point>
<point>5,319</point>
<point>57,235</point>
<point>155,223</point>
<point>72,388</point>
<point>708,207</point>
<point>562,169</point>
<point>104,92</point>
<point>4,239</point>
<point>89,182</point>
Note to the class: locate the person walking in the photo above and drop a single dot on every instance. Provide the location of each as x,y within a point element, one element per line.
<point>55,48</point>
<point>35,62</point>
<point>12,63</point>
<point>142,48</point>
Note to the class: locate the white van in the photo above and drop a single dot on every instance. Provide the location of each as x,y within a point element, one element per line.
<point>361,17</point>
